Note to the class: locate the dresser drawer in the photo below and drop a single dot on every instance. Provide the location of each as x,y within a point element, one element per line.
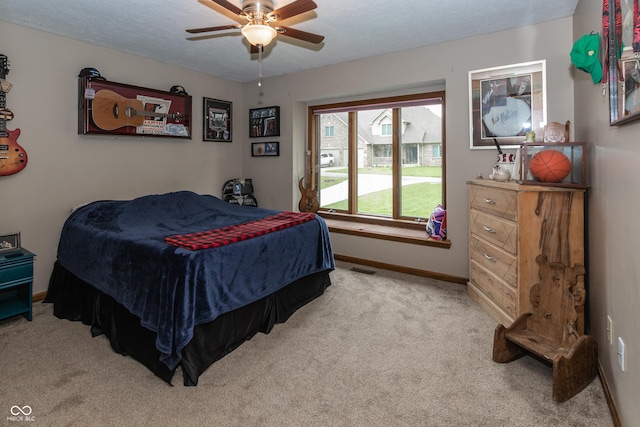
<point>496,312</point>
<point>12,274</point>
<point>498,202</point>
<point>496,260</point>
<point>500,232</point>
<point>509,302</point>
<point>486,282</point>
<point>501,293</point>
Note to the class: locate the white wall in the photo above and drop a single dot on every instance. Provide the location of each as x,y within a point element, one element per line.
<point>614,204</point>
<point>417,70</point>
<point>66,169</point>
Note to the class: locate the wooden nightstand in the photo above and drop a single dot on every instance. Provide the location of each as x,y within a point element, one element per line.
<point>16,279</point>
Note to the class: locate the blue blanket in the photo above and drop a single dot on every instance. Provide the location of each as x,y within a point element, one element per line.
<point>118,247</point>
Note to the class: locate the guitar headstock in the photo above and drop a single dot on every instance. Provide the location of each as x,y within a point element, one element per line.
<point>4,66</point>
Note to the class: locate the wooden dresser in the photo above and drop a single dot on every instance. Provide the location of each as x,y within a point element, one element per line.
<point>509,225</point>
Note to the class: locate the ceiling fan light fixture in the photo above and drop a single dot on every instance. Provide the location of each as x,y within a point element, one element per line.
<point>258,34</point>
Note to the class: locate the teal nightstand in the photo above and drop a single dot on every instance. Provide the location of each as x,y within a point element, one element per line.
<point>16,279</point>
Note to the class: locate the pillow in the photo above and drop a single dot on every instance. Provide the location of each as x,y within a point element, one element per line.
<point>437,224</point>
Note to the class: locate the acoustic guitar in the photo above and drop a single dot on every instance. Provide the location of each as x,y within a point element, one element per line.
<point>13,158</point>
<point>309,201</point>
<point>112,111</point>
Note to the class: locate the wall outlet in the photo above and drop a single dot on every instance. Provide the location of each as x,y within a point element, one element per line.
<point>610,329</point>
<point>621,355</point>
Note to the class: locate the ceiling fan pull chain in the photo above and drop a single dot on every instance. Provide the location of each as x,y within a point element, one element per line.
<point>259,65</point>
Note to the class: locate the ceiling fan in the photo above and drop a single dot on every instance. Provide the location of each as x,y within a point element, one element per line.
<point>259,16</point>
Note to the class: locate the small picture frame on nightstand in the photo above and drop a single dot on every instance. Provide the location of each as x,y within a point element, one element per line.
<point>9,242</point>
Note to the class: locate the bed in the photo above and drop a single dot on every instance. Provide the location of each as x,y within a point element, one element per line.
<point>181,279</point>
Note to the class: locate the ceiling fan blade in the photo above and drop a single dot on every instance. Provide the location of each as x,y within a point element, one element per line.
<point>219,28</point>
<point>301,35</point>
<point>293,9</point>
<point>229,6</point>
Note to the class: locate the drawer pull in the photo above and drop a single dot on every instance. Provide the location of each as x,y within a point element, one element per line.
<point>488,229</point>
<point>491,202</point>
<point>490,258</point>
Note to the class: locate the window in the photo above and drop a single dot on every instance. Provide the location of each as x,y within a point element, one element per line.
<point>328,131</point>
<point>388,157</point>
<point>437,151</point>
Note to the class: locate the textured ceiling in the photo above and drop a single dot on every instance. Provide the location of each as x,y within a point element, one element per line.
<point>353,29</point>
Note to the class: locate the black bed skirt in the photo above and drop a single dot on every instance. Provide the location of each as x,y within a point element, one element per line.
<point>76,300</point>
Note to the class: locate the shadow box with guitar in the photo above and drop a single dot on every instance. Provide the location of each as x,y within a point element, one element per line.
<point>111,108</point>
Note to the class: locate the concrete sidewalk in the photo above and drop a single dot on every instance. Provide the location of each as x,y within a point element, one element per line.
<point>369,184</point>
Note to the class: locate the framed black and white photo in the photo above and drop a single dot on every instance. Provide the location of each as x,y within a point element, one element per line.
<point>217,120</point>
<point>260,149</point>
<point>9,242</point>
<point>264,122</point>
<point>506,103</point>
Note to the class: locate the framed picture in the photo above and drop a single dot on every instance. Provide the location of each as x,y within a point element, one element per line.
<point>260,149</point>
<point>631,92</point>
<point>9,242</point>
<point>264,122</point>
<point>505,103</point>
<point>111,108</point>
<point>217,120</point>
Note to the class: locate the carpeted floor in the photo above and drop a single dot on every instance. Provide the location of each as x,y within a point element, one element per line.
<point>383,349</point>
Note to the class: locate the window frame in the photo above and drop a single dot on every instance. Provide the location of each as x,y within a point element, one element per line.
<point>351,216</point>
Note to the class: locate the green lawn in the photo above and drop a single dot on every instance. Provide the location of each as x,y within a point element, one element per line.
<point>431,171</point>
<point>418,199</point>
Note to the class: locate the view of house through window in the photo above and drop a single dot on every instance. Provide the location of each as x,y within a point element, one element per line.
<point>382,158</point>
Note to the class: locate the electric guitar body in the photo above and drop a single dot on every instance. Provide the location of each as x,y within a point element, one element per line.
<point>309,201</point>
<point>13,158</point>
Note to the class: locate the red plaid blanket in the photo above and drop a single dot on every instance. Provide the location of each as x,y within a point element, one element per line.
<point>238,232</point>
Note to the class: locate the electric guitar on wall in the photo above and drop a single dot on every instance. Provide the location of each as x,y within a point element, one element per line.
<point>13,158</point>
<point>112,111</point>
<point>309,201</point>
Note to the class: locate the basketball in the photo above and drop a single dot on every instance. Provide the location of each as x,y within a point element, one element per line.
<point>550,166</point>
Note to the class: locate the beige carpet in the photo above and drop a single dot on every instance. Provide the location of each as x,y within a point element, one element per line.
<point>383,349</point>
